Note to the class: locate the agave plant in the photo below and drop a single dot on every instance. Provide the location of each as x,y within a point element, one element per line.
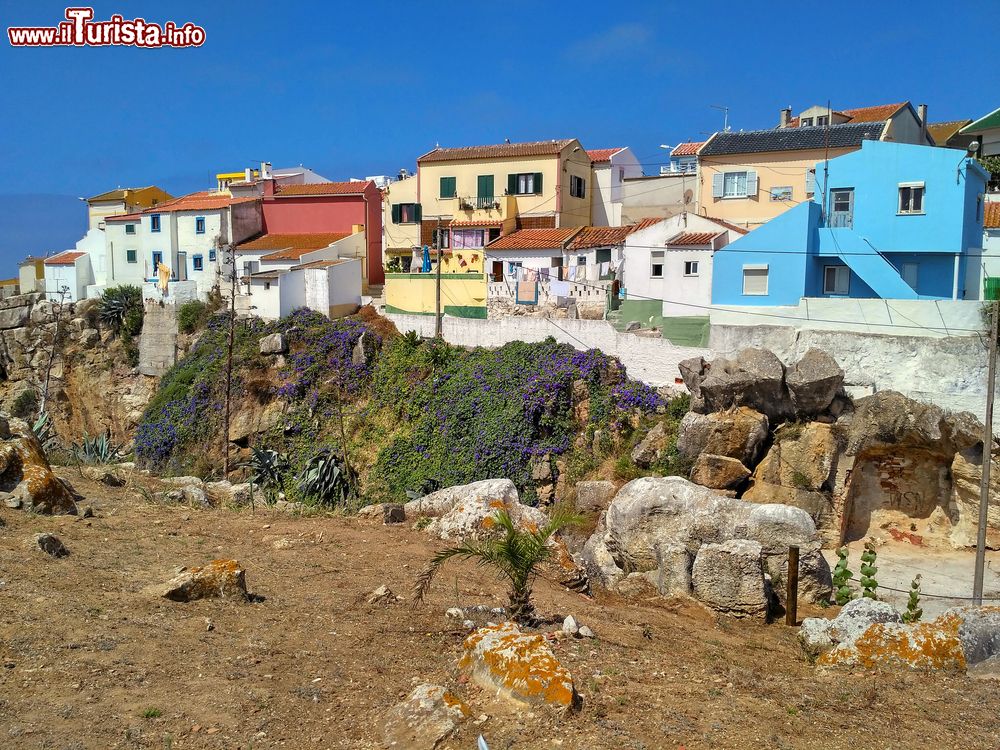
<point>44,432</point>
<point>514,554</point>
<point>268,468</point>
<point>96,450</point>
<point>119,304</point>
<point>326,480</point>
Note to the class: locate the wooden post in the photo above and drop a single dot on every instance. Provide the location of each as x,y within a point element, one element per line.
<point>984,484</point>
<point>792,588</point>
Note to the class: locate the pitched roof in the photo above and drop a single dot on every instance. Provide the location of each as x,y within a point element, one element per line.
<point>319,264</point>
<point>991,217</point>
<point>473,224</point>
<point>353,187</point>
<point>689,148</point>
<point>878,113</point>
<point>291,246</point>
<point>534,239</point>
<point>124,217</point>
<point>117,194</point>
<point>497,151</point>
<point>941,132</point>
<point>728,225</point>
<point>599,237</point>
<point>65,258</point>
<point>987,122</point>
<point>848,135</point>
<point>205,200</point>
<point>689,239</point>
<point>600,155</point>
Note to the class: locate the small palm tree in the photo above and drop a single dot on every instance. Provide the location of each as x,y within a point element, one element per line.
<point>513,553</point>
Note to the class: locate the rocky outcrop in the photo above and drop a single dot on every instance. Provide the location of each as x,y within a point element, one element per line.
<point>220,578</point>
<point>652,447</point>
<point>719,472</point>
<point>755,378</point>
<point>738,433</point>
<point>275,343</point>
<point>26,475</point>
<point>428,716</point>
<point>467,510</point>
<point>593,497</point>
<point>960,520</point>
<point>729,578</point>
<point>813,382</point>
<point>519,667</point>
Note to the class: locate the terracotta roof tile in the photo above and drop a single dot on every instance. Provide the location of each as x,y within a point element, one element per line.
<point>124,217</point>
<point>353,187</point>
<point>497,151</point>
<point>728,225</point>
<point>689,148</point>
<point>991,217</point>
<point>877,113</point>
<point>599,237</point>
<point>693,238</point>
<point>941,132</point>
<point>65,258</point>
<point>600,155</point>
<point>534,239</point>
<point>291,246</point>
<point>206,200</point>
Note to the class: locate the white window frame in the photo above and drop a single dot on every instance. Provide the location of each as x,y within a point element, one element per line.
<point>654,256</point>
<point>911,186</point>
<point>762,267</point>
<point>841,273</point>
<point>525,183</point>
<point>690,268</point>
<point>806,122</point>
<point>735,179</point>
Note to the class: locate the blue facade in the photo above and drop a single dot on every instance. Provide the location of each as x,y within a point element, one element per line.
<point>900,223</point>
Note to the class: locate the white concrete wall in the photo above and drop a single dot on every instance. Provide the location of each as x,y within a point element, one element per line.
<point>117,244</point>
<point>989,263</point>
<point>648,197</point>
<point>267,303</point>
<point>602,210</point>
<point>94,245</point>
<point>344,283</point>
<point>58,277</point>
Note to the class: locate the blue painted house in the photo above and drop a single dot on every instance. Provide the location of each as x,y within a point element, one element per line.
<point>901,222</point>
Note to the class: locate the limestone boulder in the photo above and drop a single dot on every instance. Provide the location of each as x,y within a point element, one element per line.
<point>106,475</point>
<point>50,544</point>
<point>428,716</point>
<point>519,667</point>
<point>275,343</point>
<point>738,433</point>
<point>818,505</point>
<point>26,474</point>
<point>719,472</point>
<point>963,511</point>
<point>219,578</point>
<point>729,579</point>
<point>594,497</point>
<point>754,378</point>
<point>385,513</point>
<point>439,503</point>
<point>652,447</point>
<point>803,456</point>
<point>890,419</point>
<point>813,382</point>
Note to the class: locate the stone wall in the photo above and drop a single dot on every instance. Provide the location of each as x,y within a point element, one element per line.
<point>158,343</point>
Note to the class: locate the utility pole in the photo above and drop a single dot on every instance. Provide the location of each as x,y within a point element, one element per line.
<point>437,305</point>
<point>984,485</point>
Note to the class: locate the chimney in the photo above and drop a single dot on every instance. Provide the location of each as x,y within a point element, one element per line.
<point>265,170</point>
<point>247,175</point>
<point>922,116</point>
<point>268,188</point>
<point>786,117</point>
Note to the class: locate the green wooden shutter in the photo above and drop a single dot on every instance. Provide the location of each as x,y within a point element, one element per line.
<point>538,183</point>
<point>512,184</point>
<point>447,187</point>
<point>484,186</point>
<point>417,213</point>
<point>395,213</point>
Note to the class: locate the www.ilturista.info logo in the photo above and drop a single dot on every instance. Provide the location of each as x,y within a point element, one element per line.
<point>79,30</point>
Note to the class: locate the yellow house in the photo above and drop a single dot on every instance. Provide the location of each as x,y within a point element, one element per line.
<point>749,177</point>
<point>399,238</point>
<point>463,287</point>
<point>122,201</point>
<point>31,275</point>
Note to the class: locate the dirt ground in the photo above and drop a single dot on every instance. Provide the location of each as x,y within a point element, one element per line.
<point>89,659</point>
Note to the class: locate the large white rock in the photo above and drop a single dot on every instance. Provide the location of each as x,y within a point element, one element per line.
<point>467,510</point>
<point>438,503</point>
<point>729,578</point>
<point>428,716</point>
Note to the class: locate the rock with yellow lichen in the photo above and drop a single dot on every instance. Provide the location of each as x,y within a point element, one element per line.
<point>518,666</point>
<point>429,715</point>
<point>220,578</point>
<point>25,474</point>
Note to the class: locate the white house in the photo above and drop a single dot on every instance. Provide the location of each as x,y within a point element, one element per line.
<point>668,265</point>
<point>249,183</point>
<point>611,167</point>
<point>67,275</point>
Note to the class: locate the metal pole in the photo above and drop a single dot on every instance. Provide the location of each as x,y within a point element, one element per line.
<point>437,304</point>
<point>792,588</point>
<point>984,485</point>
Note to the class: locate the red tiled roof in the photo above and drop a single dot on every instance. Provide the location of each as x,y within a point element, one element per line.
<point>728,225</point>
<point>319,264</point>
<point>645,223</point>
<point>599,237</point>
<point>991,217</point>
<point>497,151</point>
<point>354,187</point>
<point>534,239</point>
<point>598,155</point>
<point>206,200</point>
<point>873,114</point>
<point>689,148</point>
<point>313,241</point>
<point>693,238</point>
<point>65,258</point>
<point>475,224</point>
<point>124,217</point>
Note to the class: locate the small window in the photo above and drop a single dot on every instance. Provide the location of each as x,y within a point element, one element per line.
<point>581,260</point>
<point>526,183</point>
<point>130,229</point>
<point>656,264</point>
<point>810,183</point>
<point>837,280</point>
<point>911,198</point>
<point>492,234</point>
<point>211,256</point>
<point>199,225</point>
<point>267,285</point>
<point>783,193</point>
<point>157,260</point>
<point>822,120</point>
<point>806,122</point>
<point>198,262</point>
<point>131,256</point>
<point>448,189</point>
<point>690,268</point>
<point>154,223</point>
<point>577,186</point>
<point>405,213</point>
<point>755,281</point>
<point>513,268</point>
<point>441,238</point>
<point>603,255</point>
<point>734,185</point>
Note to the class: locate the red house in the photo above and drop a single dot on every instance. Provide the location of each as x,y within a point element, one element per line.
<point>326,207</point>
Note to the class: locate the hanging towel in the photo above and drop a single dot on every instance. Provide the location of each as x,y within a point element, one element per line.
<point>559,288</point>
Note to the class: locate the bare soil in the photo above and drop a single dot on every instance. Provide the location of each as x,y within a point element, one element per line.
<point>90,659</point>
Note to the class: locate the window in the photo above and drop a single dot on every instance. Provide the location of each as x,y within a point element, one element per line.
<point>131,256</point>
<point>199,225</point>
<point>211,256</point>
<point>690,268</point>
<point>492,234</point>
<point>836,280</point>
<point>621,174</point>
<point>656,264</point>
<point>441,238</point>
<point>154,223</point>
<point>527,183</point>
<point>513,268</point>
<point>806,122</point>
<point>466,238</point>
<point>734,184</point>
<point>783,193</point>
<point>841,208</point>
<point>405,213</point>
<point>198,262</point>
<point>822,120</point>
<point>603,255</point>
<point>448,189</point>
<point>250,267</point>
<point>755,281</point>
<point>267,285</point>
<point>581,260</point>
<point>810,183</point>
<point>157,260</point>
<point>130,229</point>
<point>577,186</point>
<point>911,198</point>
<point>910,271</point>
<point>484,191</point>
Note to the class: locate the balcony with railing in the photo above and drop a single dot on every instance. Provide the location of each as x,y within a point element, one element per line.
<point>485,207</point>
<point>679,167</point>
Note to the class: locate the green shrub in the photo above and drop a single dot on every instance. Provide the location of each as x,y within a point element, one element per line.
<point>868,570</point>
<point>25,405</point>
<point>841,575</point>
<point>913,611</point>
<point>191,316</point>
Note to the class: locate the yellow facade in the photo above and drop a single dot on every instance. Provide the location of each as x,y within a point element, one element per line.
<point>400,239</point>
<point>123,201</point>
<point>778,169</point>
<point>463,288</point>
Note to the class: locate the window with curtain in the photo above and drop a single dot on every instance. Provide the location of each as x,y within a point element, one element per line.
<point>466,238</point>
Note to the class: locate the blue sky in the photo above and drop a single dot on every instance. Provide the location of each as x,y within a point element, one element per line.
<point>354,89</point>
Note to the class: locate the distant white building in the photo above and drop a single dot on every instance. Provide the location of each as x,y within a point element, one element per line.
<point>611,167</point>
<point>71,274</point>
<point>249,182</point>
